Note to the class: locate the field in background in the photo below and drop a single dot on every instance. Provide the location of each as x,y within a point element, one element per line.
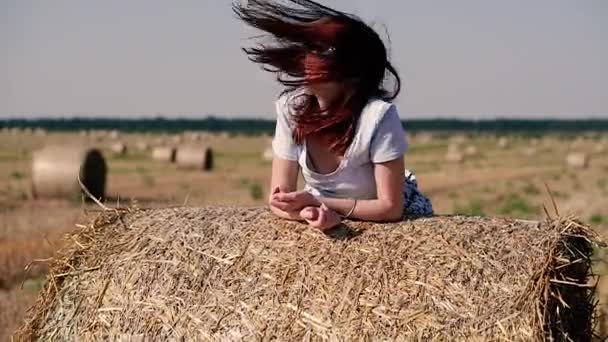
<point>491,181</point>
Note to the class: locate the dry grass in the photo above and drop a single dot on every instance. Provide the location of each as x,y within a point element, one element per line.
<point>222,273</point>
<point>13,306</point>
<point>16,256</point>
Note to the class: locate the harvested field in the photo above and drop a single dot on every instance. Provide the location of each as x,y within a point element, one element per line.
<point>229,273</point>
<point>497,182</point>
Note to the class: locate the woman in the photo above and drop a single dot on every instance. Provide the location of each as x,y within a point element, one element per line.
<point>335,121</point>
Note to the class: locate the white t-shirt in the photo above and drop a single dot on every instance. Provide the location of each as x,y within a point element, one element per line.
<point>379,138</point>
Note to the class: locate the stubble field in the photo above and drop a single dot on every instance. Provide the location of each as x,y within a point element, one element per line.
<point>495,180</point>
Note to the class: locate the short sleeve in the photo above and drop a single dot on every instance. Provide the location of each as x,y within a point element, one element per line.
<point>388,142</point>
<point>283,144</point>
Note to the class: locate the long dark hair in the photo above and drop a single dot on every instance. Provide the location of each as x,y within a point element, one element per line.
<point>335,46</point>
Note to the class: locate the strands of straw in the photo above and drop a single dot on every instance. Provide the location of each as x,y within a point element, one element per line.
<point>229,273</point>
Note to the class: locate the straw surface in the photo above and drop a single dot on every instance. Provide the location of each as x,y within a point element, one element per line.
<point>233,274</point>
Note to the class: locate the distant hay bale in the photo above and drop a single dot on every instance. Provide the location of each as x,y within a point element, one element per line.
<point>55,171</point>
<point>40,132</point>
<point>423,138</point>
<point>458,139</point>
<point>142,146</point>
<point>471,151</point>
<point>192,136</point>
<point>176,139</point>
<point>164,153</point>
<point>530,151</point>
<point>503,143</point>
<point>119,148</point>
<point>268,154</point>
<point>454,154</point>
<point>454,157</point>
<point>159,141</point>
<point>577,160</point>
<point>194,157</point>
<point>114,135</point>
<point>241,274</point>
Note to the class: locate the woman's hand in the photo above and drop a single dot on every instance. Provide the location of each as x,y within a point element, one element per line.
<point>292,201</point>
<point>321,217</point>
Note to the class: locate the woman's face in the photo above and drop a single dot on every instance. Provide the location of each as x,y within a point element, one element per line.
<point>314,71</point>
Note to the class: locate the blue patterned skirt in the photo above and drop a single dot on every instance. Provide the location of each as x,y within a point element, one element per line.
<point>416,203</point>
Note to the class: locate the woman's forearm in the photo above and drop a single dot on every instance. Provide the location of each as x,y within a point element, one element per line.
<point>367,210</point>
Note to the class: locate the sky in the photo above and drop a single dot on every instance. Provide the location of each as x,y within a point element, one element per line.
<point>473,59</point>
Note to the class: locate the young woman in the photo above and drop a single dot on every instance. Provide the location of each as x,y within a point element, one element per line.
<point>335,121</point>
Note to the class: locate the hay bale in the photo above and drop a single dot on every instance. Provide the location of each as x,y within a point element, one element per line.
<point>142,146</point>
<point>119,148</point>
<point>114,134</point>
<point>40,132</point>
<point>158,141</point>
<point>577,160</point>
<point>192,136</point>
<point>530,151</point>
<point>458,139</point>
<point>453,154</point>
<point>503,143</point>
<point>268,154</point>
<point>55,171</point>
<point>199,158</point>
<point>471,151</point>
<point>164,153</point>
<point>423,138</point>
<point>242,274</point>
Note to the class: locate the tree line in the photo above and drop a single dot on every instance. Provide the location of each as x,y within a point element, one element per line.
<point>261,126</point>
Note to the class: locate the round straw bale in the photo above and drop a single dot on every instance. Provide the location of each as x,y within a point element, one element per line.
<point>159,141</point>
<point>503,143</point>
<point>119,148</point>
<point>454,155</point>
<point>164,153</point>
<point>191,157</point>
<point>55,171</point>
<point>192,136</point>
<point>471,150</point>
<point>114,134</point>
<point>458,139</point>
<point>268,154</point>
<point>577,160</point>
<point>142,146</point>
<point>530,151</point>
<point>40,132</point>
<point>423,138</point>
<point>177,139</point>
<point>242,274</point>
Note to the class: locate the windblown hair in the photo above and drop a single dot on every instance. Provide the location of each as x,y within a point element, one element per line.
<point>312,44</point>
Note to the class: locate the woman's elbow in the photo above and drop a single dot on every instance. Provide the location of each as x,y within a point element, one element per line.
<point>393,212</point>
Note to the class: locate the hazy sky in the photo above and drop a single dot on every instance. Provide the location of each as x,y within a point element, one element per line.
<point>466,58</point>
